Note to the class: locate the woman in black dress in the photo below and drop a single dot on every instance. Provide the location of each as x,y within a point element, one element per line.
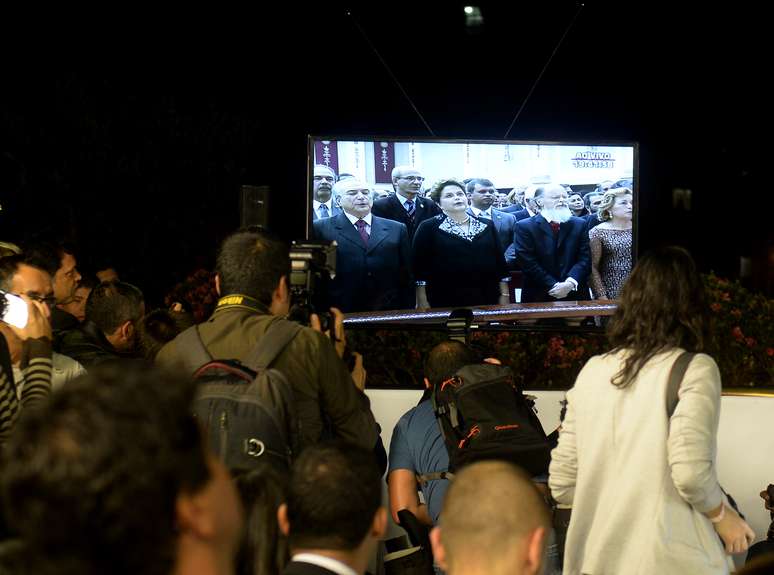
<point>458,260</point>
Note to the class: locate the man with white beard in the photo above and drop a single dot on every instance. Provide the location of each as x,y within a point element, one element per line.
<point>552,250</point>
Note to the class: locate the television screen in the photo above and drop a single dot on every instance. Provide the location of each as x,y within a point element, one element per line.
<point>451,223</point>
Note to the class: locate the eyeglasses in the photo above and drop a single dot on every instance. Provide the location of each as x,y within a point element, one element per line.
<point>49,300</point>
<point>413,178</point>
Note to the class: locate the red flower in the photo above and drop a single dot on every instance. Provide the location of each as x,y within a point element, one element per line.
<point>736,313</point>
<point>770,351</point>
<point>750,342</point>
<point>737,333</point>
<point>725,296</point>
<point>715,307</point>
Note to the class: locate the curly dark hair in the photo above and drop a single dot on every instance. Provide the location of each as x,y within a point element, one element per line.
<point>90,481</point>
<point>663,305</point>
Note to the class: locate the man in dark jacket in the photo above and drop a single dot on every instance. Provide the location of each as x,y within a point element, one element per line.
<point>109,332</point>
<point>552,249</point>
<point>252,280</point>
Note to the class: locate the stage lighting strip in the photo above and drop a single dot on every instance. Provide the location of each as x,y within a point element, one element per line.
<point>480,313</point>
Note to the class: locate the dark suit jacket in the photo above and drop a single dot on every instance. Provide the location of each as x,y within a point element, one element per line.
<point>513,208</point>
<point>377,277</point>
<point>301,568</point>
<point>391,208</point>
<point>335,211</point>
<point>521,214</point>
<point>505,224</point>
<point>545,259</point>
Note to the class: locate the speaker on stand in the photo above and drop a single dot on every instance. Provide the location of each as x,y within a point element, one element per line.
<point>254,206</point>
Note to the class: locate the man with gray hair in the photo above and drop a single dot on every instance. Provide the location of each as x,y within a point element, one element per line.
<point>373,268</point>
<point>494,522</point>
<point>406,205</point>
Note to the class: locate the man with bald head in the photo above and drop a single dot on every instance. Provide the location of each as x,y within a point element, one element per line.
<point>323,205</point>
<point>493,522</point>
<point>372,254</point>
<point>552,250</point>
<point>406,205</point>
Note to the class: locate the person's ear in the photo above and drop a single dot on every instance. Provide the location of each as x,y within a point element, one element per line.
<point>439,553</point>
<point>127,331</point>
<point>535,549</point>
<point>282,519</point>
<point>217,284</point>
<point>379,524</point>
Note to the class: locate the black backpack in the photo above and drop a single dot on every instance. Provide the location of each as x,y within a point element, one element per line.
<point>483,415</point>
<point>246,408</point>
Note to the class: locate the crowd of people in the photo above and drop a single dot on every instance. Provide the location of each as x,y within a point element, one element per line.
<point>463,243</point>
<point>105,469</point>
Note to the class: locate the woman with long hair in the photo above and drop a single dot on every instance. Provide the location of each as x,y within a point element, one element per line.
<point>642,485</point>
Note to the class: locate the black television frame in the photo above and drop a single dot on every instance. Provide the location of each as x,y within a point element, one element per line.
<point>311,138</point>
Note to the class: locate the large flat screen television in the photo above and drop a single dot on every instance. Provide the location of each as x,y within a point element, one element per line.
<point>461,223</point>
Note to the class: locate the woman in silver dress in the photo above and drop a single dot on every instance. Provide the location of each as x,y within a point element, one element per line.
<point>611,244</point>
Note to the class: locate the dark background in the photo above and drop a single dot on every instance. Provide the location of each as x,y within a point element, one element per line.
<point>132,131</point>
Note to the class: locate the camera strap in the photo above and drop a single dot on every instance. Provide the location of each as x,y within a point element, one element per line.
<point>236,300</point>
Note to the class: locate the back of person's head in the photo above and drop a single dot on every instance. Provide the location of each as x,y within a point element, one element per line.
<point>264,549</point>
<point>112,304</point>
<point>91,480</point>
<point>159,327</point>
<point>662,306</point>
<point>445,359</point>
<point>251,263</point>
<point>334,497</point>
<point>493,521</point>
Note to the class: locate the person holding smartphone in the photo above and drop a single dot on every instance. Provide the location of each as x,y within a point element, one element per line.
<point>33,338</point>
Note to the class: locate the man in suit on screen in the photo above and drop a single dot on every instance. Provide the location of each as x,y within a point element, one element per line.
<point>406,205</point>
<point>373,268</point>
<point>323,205</point>
<point>552,249</point>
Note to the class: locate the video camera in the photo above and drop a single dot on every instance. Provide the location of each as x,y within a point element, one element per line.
<point>312,267</point>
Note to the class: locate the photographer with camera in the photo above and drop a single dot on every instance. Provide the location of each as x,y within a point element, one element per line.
<point>252,280</point>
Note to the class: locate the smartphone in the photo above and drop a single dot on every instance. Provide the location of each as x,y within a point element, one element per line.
<point>15,313</point>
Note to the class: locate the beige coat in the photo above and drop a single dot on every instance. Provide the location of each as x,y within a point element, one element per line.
<point>637,486</point>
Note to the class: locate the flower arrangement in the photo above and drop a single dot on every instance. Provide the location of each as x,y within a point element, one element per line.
<point>743,333</point>
<point>196,293</point>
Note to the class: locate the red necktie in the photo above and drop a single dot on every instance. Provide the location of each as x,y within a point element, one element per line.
<point>555,228</point>
<point>361,228</point>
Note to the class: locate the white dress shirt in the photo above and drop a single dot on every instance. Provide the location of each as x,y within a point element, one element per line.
<point>325,562</point>
<point>366,219</point>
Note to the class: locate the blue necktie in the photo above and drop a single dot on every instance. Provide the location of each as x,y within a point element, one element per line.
<point>324,211</point>
<point>410,208</point>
